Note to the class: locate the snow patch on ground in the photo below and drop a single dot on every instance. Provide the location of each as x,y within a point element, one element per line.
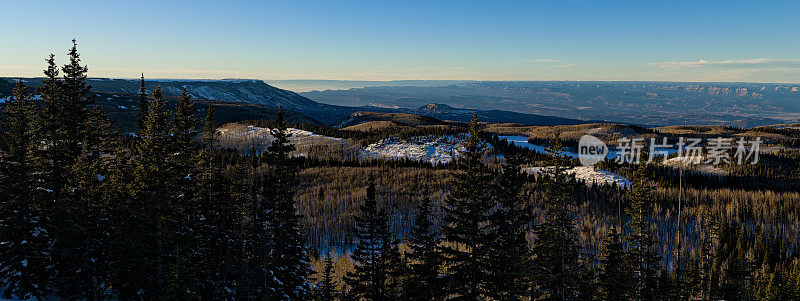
<point>431,149</point>
<point>296,134</point>
<point>244,137</point>
<point>206,92</point>
<point>7,98</point>
<point>587,174</point>
<point>689,164</point>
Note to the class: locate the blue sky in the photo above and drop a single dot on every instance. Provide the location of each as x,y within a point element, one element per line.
<point>756,41</point>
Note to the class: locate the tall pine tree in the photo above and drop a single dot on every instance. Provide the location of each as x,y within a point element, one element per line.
<point>142,107</point>
<point>151,193</point>
<point>85,273</point>
<point>613,279</point>
<point>75,109</point>
<point>52,166</point>
<point>424,259</point>
<point>220,202</point>
<point>183,218</point>
<point>643,260</point>
<point>367,281</point>
<point>465,225</point>
<point>510,257</point>
<point>557,261</point>
<point>289,260</point>
<point>327,288</point>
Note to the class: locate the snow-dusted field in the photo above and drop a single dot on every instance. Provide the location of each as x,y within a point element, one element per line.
<point>688,164</point>
<point>588,174</point>
<point>246,137</point>
<point>428,149</point>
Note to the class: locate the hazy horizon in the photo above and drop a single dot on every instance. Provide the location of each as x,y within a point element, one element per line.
<point>302,85</point>
<point>580,40</point>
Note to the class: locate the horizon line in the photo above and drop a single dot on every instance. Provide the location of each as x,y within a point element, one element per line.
<point>409,80</point>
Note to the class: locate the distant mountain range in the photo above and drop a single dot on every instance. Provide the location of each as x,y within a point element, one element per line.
<point>531,103</point>
<point>259,93</point>
<point>445,112</point>
<point>645,103</point>
<point>306,85</point>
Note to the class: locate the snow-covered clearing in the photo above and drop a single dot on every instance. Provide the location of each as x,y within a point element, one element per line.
<point>248,137</point>
<point>587,174</point>
<point>689,164</point>
<point>427,149</point>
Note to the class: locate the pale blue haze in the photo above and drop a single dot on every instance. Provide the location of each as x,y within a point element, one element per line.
<point>380,40</point>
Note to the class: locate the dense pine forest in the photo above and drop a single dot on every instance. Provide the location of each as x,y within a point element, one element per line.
<point>90,212</point>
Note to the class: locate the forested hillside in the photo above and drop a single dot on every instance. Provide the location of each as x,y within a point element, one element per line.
<point>176,209</point>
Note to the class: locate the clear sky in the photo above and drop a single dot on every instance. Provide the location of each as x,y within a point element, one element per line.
<point>756,40</point>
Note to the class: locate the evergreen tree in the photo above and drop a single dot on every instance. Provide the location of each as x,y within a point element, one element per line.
<point>71,141</point>
<point>367,282</point>
<point>25,246</point>
<point>142,107</point>
<point>184,130</point>
<point>85,271</point>
<point>510,261</point>
<point>735,277</point>
<point>557,262</point>
<point>465,225</point>
<point>690,283</point>
<point>395,266</point>
<point>424,260</point>
<point>289,260</point>
<point>51,167</point>
<point>51,163</point>
<point>124,243</point>
<point>219,202</point>
<point>183,219</point>
<point>151,193</point>
<point>708,256</point>
<point>613,278</point>
<point>74,110</point>
<point>326,290</point>
<point>643,260</point>
<point>259,243</point>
